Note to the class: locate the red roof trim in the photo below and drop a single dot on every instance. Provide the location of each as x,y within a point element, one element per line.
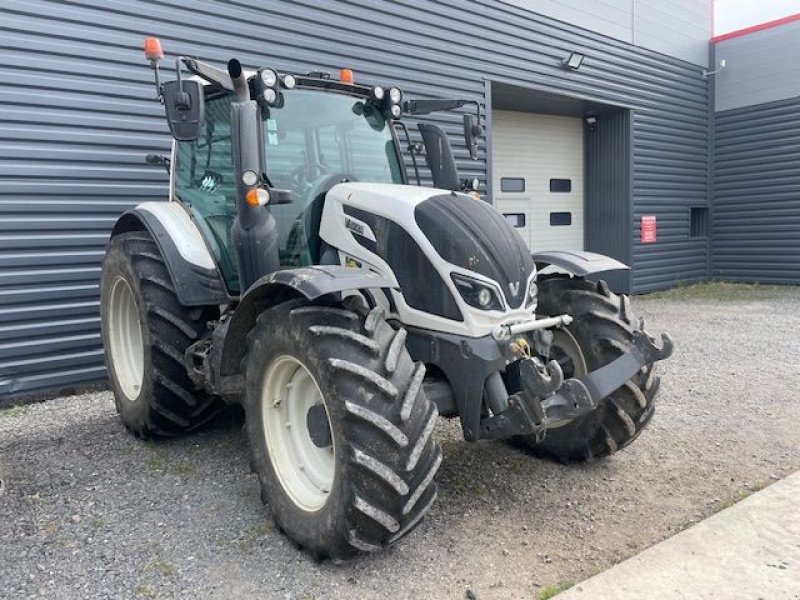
<point>754,28</point>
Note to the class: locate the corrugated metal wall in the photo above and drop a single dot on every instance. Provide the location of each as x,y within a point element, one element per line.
<point>679,28</point>
<point>761,67</point>
<point>77,116</point>
<point>608,190</point>
<point>757,193</point>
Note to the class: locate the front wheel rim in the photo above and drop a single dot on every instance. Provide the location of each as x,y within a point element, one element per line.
<point>305,470</point>
<point>125,339</point>
<point>567,352</point>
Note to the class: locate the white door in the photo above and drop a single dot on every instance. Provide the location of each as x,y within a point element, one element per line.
<point>538,177</point>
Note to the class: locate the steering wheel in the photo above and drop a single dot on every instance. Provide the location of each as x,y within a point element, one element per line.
<point>299,177</point>
<point>323,184</point>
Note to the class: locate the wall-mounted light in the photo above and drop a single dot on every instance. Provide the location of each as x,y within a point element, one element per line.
<point>573,62</point>
<point>708,74</point>
<point>591,122</point>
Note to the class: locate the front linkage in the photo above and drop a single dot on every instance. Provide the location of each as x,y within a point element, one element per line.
<point>546,398</point>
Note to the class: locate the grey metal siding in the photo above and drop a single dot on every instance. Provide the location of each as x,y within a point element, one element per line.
<point>613,18</point>
<point>608,190</point>
<point>77,116</point>
<point>679,28</point>
<point>757,193</point>
<point>760,67</point>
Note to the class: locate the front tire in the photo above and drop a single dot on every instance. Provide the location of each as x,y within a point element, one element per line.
<point>603,327</point>
<point>146,331</point>
<point>339,427</point>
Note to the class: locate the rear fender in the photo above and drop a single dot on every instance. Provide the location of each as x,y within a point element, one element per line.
<point>190,264</point>
<point>311,283</point>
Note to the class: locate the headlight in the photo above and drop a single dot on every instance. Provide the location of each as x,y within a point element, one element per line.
<point>476,293</point>
<point>269,77</point>
<point>395,111</point>
<point>395,95</point>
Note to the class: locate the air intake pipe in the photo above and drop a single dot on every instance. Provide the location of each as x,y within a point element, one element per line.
<point>255,231</point>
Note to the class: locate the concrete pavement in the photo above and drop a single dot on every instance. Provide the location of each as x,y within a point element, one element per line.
<point>750,551</point>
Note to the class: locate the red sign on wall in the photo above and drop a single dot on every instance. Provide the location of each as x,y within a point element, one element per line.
<point>648,229</point>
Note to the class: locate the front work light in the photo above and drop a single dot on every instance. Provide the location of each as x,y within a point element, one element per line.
<point>269,77</point>
<point>289,82</point>
<point>395,95</point>
<point>395,111</point>
<point>270,96</point>
<point>378,93</point>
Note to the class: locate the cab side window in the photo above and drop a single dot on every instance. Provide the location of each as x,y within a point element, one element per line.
<point>205,183</point>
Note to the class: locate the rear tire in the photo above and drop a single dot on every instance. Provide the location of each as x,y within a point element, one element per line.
<point>603,326</point>
<point>378,483</point>
<point>146,331</point>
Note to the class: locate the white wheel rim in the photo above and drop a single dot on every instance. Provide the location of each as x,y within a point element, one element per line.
<point>305,470</point>
<point>125,337</point>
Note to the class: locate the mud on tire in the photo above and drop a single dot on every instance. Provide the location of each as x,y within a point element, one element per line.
<point>166,402</point>
<point>380,422</point>
<point>603,326</point>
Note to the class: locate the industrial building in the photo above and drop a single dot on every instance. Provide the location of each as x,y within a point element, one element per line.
<point>610,127</point>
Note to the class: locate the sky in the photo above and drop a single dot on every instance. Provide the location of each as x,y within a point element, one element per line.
<point>730,15</point>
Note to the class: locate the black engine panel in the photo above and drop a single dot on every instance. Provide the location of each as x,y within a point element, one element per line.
<point>469,233</point>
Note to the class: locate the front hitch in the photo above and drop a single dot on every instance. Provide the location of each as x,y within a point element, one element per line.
<point>546,398</point>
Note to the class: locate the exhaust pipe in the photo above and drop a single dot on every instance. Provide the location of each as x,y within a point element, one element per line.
<point>239,81</point>
<point>254,231</point>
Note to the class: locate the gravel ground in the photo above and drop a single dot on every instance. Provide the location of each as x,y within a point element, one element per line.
<point>88,511</point>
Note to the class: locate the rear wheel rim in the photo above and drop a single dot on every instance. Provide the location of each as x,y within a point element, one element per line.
<point>305,470</point>
<point>125,337</point>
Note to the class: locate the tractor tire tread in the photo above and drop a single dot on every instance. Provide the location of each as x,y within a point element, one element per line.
<point>391,461</point>
<point>172,405</point>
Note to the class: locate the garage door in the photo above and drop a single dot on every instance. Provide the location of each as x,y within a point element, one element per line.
<point>538,177</point>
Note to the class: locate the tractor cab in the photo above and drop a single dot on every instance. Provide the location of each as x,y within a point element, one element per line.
<point>309,132</point>
<point>312,139</point>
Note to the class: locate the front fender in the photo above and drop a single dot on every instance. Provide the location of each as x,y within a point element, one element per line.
<point>578,262</point>
<point>305,282</point>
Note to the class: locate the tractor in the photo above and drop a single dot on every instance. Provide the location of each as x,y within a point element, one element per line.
<point>299,271</point>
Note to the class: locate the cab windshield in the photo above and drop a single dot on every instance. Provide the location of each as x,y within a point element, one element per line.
<point>313,140</point>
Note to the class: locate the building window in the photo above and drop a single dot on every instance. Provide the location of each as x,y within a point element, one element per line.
<point>515,219</point>
<point>561,185</point>
<point>698,222</point>
<point>512,184</point>
<point>558,219</point>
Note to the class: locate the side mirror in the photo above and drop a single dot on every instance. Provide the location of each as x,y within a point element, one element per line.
<point>183,102</point>
<point>472,132</point>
